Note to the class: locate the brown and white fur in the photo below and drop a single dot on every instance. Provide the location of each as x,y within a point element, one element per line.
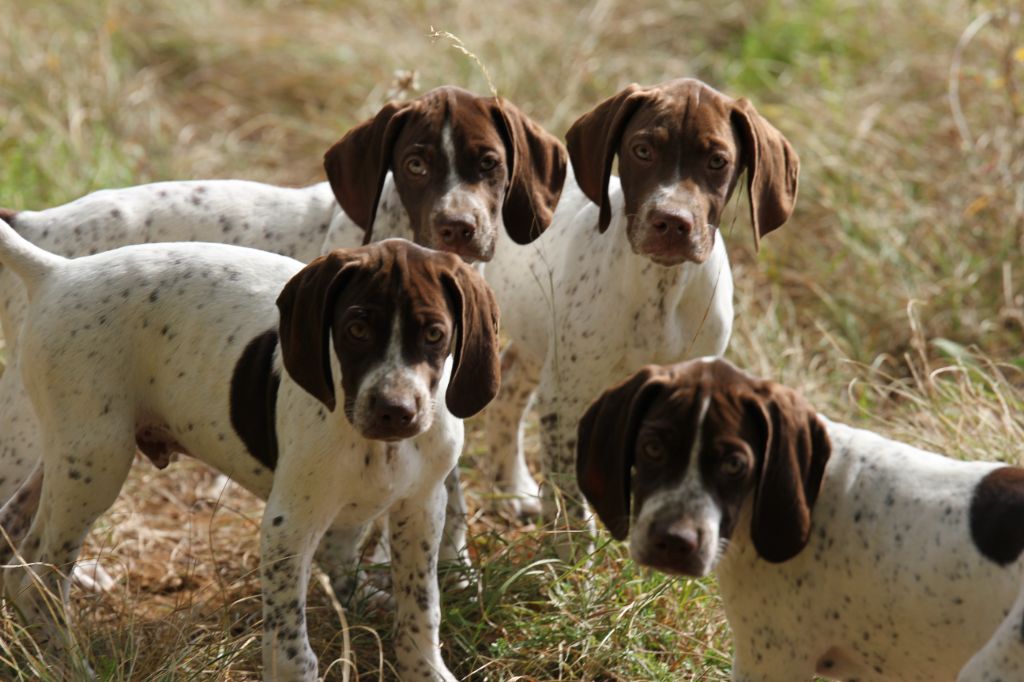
<point>838,552</point>
<point>241,358</point>
<point>448,170</point>
<point>633,269</point>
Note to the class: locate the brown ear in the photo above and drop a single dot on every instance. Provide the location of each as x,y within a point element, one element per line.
<point>305,307</point>
<point>796,452</point>
<point>476,375</point>
<point>536,172</point>
<point>358,163</point>
<point>605,442</point>
<point>593,141</point>
<point>773,170</point>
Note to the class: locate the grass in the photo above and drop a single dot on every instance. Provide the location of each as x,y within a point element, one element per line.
<point>894,298</point>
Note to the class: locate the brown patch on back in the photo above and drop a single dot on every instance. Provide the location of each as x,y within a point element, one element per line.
<point>254,387</point>
<point>997,515</point>
<point>7,215</point>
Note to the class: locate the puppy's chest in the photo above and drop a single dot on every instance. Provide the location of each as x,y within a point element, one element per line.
<point>371,475</point>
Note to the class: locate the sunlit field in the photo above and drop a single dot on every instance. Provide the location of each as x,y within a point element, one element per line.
<point>893,298</point>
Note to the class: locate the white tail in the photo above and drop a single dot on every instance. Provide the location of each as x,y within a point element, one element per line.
<point>29,262</point>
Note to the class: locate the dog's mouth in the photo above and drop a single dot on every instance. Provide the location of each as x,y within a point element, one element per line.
<point>668,244</point>
<point>693,567</point>
<point>670,253</point>
<point>391,434</point>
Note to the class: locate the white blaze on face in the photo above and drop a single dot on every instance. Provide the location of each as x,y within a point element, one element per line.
<point>457,198</point>
<point>448,147</point>
<point>463,201</point>
<point>392,376</point>
<point>689,500</point>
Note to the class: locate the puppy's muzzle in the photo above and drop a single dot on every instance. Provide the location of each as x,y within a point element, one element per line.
<point>392,417</point>
<point>672,236</point>
<point>674,546</point>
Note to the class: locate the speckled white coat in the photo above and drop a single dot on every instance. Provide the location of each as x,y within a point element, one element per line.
<point>583,311</point>
<point>889,587</point>
<point>139,335</point>
<point>301,223</point>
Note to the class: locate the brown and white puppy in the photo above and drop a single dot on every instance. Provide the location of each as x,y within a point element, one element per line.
<point>448,170</point>
<point>465,168</point>
<point>838,552</point>
<point>632,270</point>
<point>240,358</point>
<point>682,146</point>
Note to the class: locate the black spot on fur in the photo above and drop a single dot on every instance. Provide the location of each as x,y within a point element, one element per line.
<point>254,387</point>
<point>997,515</point>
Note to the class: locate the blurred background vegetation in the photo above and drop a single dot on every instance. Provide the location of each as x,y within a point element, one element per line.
<point>894,297</point>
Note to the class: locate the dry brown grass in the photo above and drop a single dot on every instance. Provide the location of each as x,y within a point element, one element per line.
<point>893,298</point>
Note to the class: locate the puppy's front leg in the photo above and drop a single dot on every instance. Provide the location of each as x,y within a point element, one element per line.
<point>289,536</point>
<point>453,538</point>
<point>415,526</point>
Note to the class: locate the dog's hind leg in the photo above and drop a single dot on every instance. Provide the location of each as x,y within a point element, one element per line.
<point>16,515</point>
<point>84,474</point>
<point>20,440</point>
<point>505,429</point>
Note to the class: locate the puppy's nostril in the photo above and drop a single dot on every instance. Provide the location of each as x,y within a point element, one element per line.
<point>456,229</point>
<point>685,540</point>
<point>394,412</point>
<point>679,221</point>
<point>677,539</point>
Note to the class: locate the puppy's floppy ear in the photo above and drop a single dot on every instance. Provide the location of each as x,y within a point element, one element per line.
<point>606,439</point>
<point>358,163</point>
<point>797,448</point>
<point>306,308</point>
<point>476,375</point>
<point>593,141</point>
<point>773,169</point>
<point>536,170</point>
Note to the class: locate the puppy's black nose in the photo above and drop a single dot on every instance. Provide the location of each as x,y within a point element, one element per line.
<point>675,541</point>
<point>456,229</point>
<point>393,411</point>
<point>672,222</point>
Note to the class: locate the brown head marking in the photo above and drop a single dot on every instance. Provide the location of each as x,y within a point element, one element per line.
<point>463,166</point>
<point>682,146</point>
<point>690,443</point>
<point>359,297</point>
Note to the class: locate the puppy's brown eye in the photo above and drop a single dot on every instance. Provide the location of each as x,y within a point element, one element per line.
<point>488,163</point>
<point>653,451</point>
<point>358,330</point>
<point>718,161</point>
<point>642,151</point>
<point>434,334</point>
<point>416,165</point>
<point>733,465</point>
